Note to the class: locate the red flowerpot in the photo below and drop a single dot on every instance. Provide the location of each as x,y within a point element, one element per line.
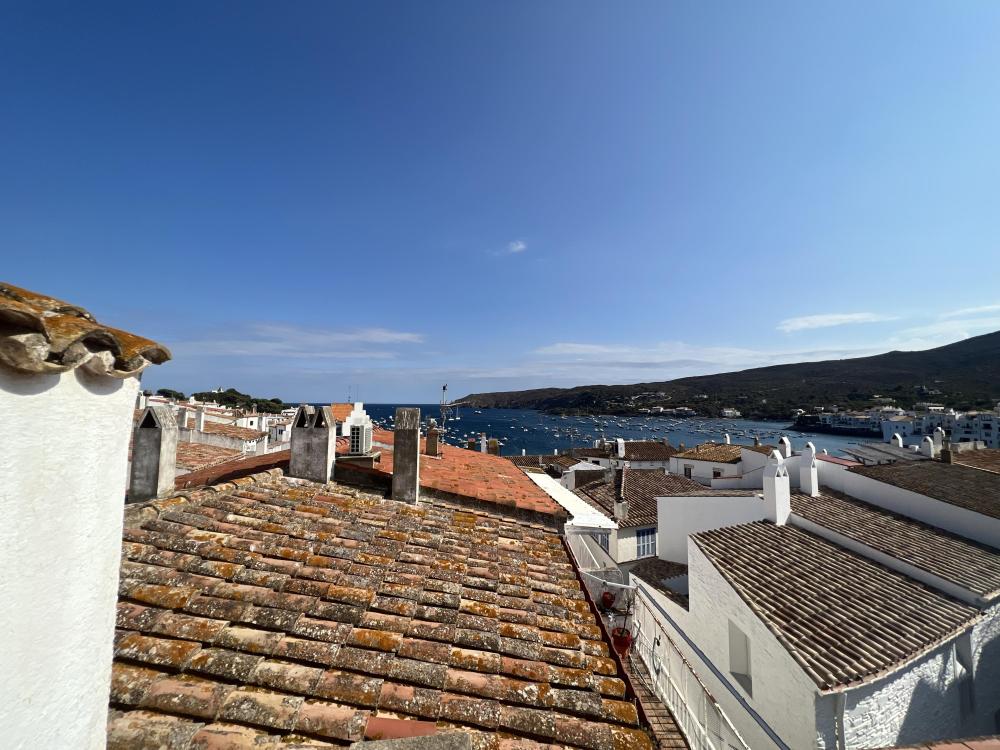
<point>621,638</point>
<point>607,599</point>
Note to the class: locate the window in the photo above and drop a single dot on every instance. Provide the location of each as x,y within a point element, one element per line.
<point>645,542</point>
<point>602,540</point>
<point>687,471</point>
<point>716,473</point>
<point>739,658</point>
<point>356,439</point>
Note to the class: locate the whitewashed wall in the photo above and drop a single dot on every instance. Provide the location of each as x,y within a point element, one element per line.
<point>701,471</point>
<point>679,517</point>
<point>61,498</point>
<point>964,522</point>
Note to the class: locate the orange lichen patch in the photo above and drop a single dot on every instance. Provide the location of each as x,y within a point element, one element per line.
<point>579,678</point>
<point>478,661</point>
<point>159,651</point>
<point>625,738</point>
<point>407,699</point>
<point>168,597</point>
<point>530,670</point>
<point>348,595</point>
<point>608,686</point>
<point>619,711</point>
<point>559,640</point>
<point>129,683</point>
<point>479,609</point>
<point>63,336</point>
<point>190,628</point>
<point>286,676</point>
<point>380,640</point>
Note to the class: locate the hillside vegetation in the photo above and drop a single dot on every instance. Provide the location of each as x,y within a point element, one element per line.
<point>965,375</point>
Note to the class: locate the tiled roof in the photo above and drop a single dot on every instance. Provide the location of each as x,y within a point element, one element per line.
<point>972,566</point>
<point>722,453</point>
<point>341,411</point>
<point>648,450</point>
<point>43,334</point>
<point>229,430</point>
<point>471,474</point>
<point>275,610</point>
<point>642,487</point>
<point>844,619</point>
<point>592,452</point>
<point>986,459</point>
<point>958,485</point>
<point>543,460</point>
<point>836,460</point>
<point>194,456</point>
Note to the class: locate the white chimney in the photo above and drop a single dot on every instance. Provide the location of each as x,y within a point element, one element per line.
<point>199,419</point>
<point>621,503</point>
<point>524,452</point>
<point>939,438</point>
<point>777,492</point>
<point>621,447</point>
<point>68,388</point>
<point>809,471</point>
<point>726,439</point>
<point>785,446</point>
<point>484,443</point>
<point>182,415</point>
<point>897,440</point>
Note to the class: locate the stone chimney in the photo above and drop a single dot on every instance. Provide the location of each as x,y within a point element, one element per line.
<point>939,437</point>
<point>199,419</point>
<point>777,492</point>
<point>406,455</point>
<point>484,444</point>
<point>785,446</point>
<point>314,444</point>
<point>666,441</point>
<point>897,440</point>
<point>726,439</point>
<point>68,389</point>
<point>470,443</point>
<point>182,415</point>
<point>493,447</point>
<point>756,441</point>
<point>809,471</point>
<point>927,447</point>
<point>946,455</point>
<point>432,443</point>
<point>154,454</point>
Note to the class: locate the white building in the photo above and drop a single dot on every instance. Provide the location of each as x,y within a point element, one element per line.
<point>639,454</point>
<point>713,461</point>
<point>818,619</point>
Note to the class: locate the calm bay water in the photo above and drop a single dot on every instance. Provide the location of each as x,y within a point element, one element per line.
<point>535,432</point>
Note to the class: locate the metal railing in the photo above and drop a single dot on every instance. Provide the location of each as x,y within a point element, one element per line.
<point>673,681</point>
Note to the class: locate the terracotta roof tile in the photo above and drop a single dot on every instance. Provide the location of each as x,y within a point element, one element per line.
<point>44,334</point>
<point>722,453</point>
<point>472,619</point>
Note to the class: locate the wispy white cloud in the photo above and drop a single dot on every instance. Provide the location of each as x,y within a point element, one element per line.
<point>966,312</point>
<point>943,332</point>
<point>829,320</point>
<point>279,340</point>
<point>516,246</point>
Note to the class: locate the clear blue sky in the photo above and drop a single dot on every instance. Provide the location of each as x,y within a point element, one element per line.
<point>300,196</point>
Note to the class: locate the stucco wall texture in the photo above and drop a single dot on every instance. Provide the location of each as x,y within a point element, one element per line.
<point>63,457</point>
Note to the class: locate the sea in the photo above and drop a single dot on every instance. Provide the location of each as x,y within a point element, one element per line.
<point>534,432</point>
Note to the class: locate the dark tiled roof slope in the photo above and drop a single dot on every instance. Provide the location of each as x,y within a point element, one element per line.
<point>195,456</point>
<point>39,333</point>
<point>972,566</point>
<point>722,453</point>
<point>843,618</point>
<point>986,459</point>
<point>274,609</point>
<point>648,450</point>
<point>961,486</point>
<point>641,488</point>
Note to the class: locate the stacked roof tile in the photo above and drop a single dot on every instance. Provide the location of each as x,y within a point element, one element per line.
<point>843,618</point>
<point>722,453</point>
<point>961,486</point>
<point>195,456</point>
<point>272,610</point>
<point>43,334</point>
<point>228,430</point>
<point>972,566</point>
<point>648,450</point>
<point>986,459</point>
